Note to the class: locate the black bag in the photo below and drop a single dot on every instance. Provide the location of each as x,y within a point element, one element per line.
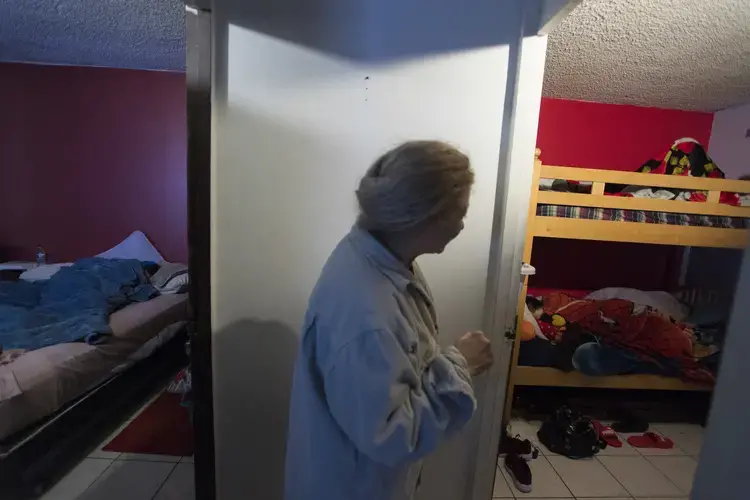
<point>570,433</point>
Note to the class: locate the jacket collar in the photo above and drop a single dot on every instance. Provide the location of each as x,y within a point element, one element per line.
<point>386,262</point>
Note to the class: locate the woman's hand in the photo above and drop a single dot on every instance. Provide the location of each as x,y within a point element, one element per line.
<point>476,348</point>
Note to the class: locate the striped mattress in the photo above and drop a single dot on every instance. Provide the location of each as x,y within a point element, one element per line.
<point>619,215</point>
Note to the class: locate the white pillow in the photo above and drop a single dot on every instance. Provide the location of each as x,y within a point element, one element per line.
<point>530,318</point>
<point>175,284</point>
<point>43,272</point>
<point>661,301</point>
<point>135,246</point>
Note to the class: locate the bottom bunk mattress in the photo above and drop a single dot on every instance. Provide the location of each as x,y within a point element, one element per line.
<point>37,383</point>
<point>602,336</point>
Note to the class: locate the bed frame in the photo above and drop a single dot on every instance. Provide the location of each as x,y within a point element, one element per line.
<point>34,459</point>
<point>632,232</point>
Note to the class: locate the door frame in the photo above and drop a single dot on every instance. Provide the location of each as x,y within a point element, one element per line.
<point>198,24</point>
<point>524,91</point>
<point>722,466</point>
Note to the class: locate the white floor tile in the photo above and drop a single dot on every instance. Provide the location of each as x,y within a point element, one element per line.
<point>99,453</point>
<point>78,479</point>
<point>679,470</point>
<point>640,477</point>
<point>180,485</point>
<point>587,478</point>
<point>501,488</point>
<point>148,457</point>
<point>525,429</point>
<point>188,460</point>
<point>654,498</point>
<point>545,481</point>
<point>648,452</point>
<point>129,480</point>
<point>689,437</point>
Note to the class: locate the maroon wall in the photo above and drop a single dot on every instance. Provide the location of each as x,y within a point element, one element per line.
<point>609,136</point>
<point>88,155</point>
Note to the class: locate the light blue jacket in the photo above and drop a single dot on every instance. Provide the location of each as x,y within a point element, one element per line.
<point>373,392</point>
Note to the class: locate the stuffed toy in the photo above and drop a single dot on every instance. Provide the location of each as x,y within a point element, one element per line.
<point>527,331</point>
<point>558,321</point>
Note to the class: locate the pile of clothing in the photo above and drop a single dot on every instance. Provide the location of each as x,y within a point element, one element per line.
<point>617,331</point>
<point>685,157</point>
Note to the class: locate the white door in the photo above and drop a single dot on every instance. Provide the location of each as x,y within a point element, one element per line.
<point>295,126</point>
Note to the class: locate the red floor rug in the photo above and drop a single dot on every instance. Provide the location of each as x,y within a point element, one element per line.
<point>163,428</point>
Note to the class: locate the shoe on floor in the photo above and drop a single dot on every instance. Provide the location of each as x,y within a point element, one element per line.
<point>629,424</point>
<point>515,445</point>
<point>519,472</point>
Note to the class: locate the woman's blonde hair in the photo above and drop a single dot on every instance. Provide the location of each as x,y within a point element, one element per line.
<point>412,184</point>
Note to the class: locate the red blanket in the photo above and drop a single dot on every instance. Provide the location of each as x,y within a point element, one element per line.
<point>620,322</point>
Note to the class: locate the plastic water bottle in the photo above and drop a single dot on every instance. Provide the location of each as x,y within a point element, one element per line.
<point>41,256</point>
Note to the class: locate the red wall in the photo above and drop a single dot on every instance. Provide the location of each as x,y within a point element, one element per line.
<point>616,137</point>
<point>88,155</point>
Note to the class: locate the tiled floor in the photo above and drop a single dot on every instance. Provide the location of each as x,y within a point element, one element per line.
<point>615,474</point>
<point>106,475</point>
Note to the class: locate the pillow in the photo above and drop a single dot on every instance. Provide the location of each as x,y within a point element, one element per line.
<point>528,317</point>
<point>171,277</point>
<point>135,246</point>
<point>661,301</point>
<point>43,272</point>
<point>178,284</point>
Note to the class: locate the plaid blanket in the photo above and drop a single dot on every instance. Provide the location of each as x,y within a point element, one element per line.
<point>618,215</point>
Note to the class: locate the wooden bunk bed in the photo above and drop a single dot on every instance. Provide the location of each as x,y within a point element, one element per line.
<point>615,231</point>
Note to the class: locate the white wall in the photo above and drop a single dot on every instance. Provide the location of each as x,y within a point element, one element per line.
<point>295,128</point>
<point>728,146</point>
<point>730,149</point>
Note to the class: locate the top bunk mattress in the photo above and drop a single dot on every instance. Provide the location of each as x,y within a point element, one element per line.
<point>643,216</point>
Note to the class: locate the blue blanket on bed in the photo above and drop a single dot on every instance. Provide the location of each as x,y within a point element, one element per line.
<point>73,305</point>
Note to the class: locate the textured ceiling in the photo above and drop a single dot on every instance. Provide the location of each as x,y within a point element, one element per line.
<point>145,34</point>
<point>682,54</point>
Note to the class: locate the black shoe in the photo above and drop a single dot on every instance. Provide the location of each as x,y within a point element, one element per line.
<point>631,423</point>
<point>515,445</point>
<point>519,471</point>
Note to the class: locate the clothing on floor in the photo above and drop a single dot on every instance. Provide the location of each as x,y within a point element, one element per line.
<point>373,392</point>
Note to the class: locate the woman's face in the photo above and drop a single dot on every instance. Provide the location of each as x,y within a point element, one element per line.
<point>444,229</point>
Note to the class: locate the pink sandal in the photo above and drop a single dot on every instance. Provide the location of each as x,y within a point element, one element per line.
<point>607,434</point>
<point>651,440</point>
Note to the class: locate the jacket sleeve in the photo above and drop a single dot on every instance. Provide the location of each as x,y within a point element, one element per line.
<point>391,413</point>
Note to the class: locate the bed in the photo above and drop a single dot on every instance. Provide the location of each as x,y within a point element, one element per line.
<point>597,216</point>
<point>40,382</point>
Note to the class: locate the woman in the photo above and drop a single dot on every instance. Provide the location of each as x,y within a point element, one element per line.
<point>373,392</point>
